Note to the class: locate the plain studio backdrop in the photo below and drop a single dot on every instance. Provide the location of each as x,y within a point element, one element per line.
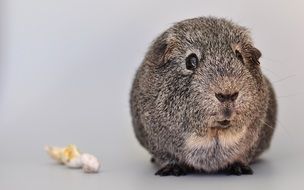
<point>65,76</point>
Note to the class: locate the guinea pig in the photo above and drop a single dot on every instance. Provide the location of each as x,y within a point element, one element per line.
<point>200,102</point>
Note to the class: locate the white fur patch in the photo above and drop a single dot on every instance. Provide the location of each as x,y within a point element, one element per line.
<point>195,141</point>
<point>226,138</point>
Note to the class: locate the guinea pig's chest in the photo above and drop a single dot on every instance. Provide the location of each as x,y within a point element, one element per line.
<point>214,137</point>
<point>216,147</point>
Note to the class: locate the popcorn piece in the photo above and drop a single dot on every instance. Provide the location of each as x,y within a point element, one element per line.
<point>75,162</point>
<point>90,163</point>
<point>55,153</point>
<point>70,153</point>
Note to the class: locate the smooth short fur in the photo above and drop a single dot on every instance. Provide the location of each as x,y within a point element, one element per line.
<point>175,111</point>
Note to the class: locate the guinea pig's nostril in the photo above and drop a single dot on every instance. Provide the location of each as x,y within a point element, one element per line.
<point>234,96</point>
<point>226,97</point>
<point>220,97</point>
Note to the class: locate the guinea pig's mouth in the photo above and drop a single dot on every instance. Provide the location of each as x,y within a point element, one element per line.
<point>222,124</point>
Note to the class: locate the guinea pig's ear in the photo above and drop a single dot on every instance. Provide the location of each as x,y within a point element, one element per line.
<point>160,52</point>
<point>247,52</point>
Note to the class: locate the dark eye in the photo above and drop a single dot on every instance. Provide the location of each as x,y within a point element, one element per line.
<point>191,62</point>
<point>239,56</point>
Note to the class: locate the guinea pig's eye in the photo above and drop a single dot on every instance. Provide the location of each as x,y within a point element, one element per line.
<point>191,61</point>
<point>239,56</point>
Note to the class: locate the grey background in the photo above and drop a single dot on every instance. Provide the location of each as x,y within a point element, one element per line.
<point>65,75</point>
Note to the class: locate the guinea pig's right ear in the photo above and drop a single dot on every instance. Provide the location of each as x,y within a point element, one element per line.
<point>160,52</point>
<point>247,52</point>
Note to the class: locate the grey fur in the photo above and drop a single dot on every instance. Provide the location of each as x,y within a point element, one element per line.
<point>174,110</point>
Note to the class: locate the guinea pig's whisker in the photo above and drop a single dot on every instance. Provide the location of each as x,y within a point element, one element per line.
<point>266,124</point>
<point>283,127</point>
<point>274,73</point>
<point>279,124</point>
<point>285,78</point>
<point>287,96</point>
<point>272,60</point>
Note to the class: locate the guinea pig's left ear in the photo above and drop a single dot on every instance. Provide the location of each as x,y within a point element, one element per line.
<point>248,52</point>
<point>161,50</point>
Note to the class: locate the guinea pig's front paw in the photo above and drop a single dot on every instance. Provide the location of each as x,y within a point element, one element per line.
<point>238,169</point>
<point>171,169</point>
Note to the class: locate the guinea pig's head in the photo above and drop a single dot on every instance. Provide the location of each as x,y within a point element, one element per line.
<point>207,75</point>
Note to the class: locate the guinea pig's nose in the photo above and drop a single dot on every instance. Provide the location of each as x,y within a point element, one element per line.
<point>226,97</point>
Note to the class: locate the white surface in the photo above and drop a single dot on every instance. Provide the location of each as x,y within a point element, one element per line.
<point>66,71</point>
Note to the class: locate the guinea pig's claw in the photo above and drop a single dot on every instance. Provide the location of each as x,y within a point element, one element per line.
<point>238,169</point>
<point>171,169</point>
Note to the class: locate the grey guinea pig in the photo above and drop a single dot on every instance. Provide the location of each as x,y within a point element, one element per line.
<point>199,101</point>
